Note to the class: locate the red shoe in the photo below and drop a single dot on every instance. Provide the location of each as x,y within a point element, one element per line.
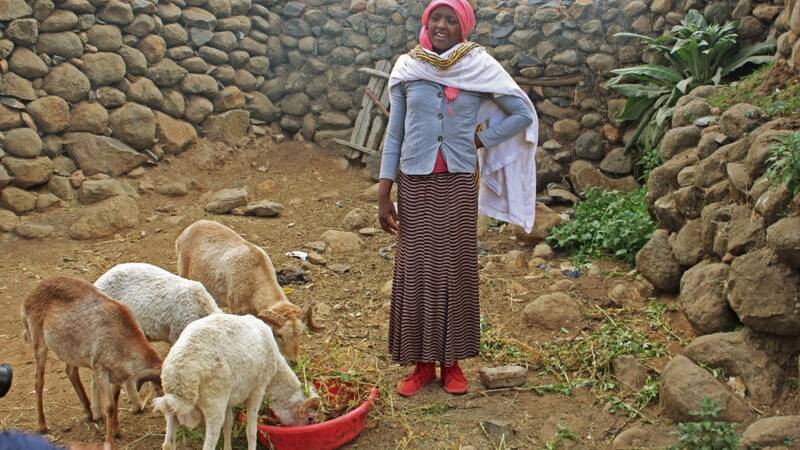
<point>453,379</point>
<point>423,374</point>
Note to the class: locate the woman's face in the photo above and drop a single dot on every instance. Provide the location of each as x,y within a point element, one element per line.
<point>444,30</point>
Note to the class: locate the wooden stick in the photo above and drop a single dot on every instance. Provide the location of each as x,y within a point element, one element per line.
<point>374,72</point>
<point>377,101</point>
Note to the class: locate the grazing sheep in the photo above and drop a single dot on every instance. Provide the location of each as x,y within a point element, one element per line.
<point>241,277</point>
<point>162,303</point>
<point>85,328</point>
<point>225,360</point>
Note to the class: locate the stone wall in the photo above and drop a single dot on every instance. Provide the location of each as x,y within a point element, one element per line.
<point>103,85</point>
<point>728,241</point>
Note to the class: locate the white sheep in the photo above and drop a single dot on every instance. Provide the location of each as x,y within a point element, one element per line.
<point>240,276</point>
<point>162,303</point>
<point>85,328</point>
<point>225,360</point>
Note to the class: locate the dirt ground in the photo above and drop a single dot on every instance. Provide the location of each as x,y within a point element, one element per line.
<point>317,193</point>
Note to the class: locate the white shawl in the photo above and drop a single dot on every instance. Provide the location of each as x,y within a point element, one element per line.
<point>508,170</point>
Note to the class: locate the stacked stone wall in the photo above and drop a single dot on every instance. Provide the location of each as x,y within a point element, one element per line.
<point>103,85</point>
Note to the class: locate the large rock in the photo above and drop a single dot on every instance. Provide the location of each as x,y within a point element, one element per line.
<point>153,47</point>
<point>5,178</point>
<point>59,20</point>
<point>106,38</point>
<point>21,31</point>
<point>134,125</point>
<point>174,135</point>
<point>8,220</point>
<point>9,118</point>
<point>23,142</point>
<point>14,9</point>
<point>103,68</point>
<point>13,85</point>
<point>773,202</point>
<point>229,127</point>
<point>761,145</point>
<point>730,351</point>
<point>198,18</point>
<point>546,219</point>
<point>65,44</point>
<point>222,202</point>
<point>739,119</point>
<point>231,97</point>
<point>772,432</point>
<point>342,241</point>
<point>356,219</point>
<point>583,175</point>
<point>106,218</point>
<point>197,109</point>
<point>50,113</point>
<point>29,172</point>
<point>763,292</point>
<point>261,107</point>
<point>616,162</point>
<point>553,311</point>
<point>656,262</point>
<point>677,140</point>
<point>166,73</point>
<point>687,245</point>
<point>684,385</point>
<point>702,296</point>
<point>590,146</point>
<point>89,117</point>
<point>26,63</point>
<point>199,84</point>
<point>784,238</point>
<point>146,92</point>
<point>100,154</point>
<point>135,62</point>
<point>16,200</point>
<point>93,191</point>
<point>67,82</point>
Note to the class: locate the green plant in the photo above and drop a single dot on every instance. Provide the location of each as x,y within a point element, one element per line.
<point>560,436</point>
<point>783,163</point>
<point>707,434</point>
<point>649,160</point>
<point>606,223</point>
<point>694,53</point>
<point>498,348</point>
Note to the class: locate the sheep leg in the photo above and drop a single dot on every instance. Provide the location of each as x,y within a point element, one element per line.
<point>97,411</point>
<point>115,416</point>
<point>214,422</point>
<point>75,379</point>
<point>133,397</point>
<point>40,354</point>
<point>228,428</point>
<point>109,407</point>
<point>253,404</point>
<point>169,437</point>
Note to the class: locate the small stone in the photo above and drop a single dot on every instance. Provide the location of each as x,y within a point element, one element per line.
<point>317,246</point>
<point>223,201</point>
<point>33,231</point>
<point>503,376</point>
<point>369,231</point>
<point>342,241</point>
<point>263,208</point>
<point>173,189</point>
<point>316,258</point>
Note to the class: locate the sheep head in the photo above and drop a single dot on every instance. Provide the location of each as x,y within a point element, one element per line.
<point>288,325</point>
<point>299,410</point>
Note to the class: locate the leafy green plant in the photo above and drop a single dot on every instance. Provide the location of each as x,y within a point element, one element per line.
<point>498,348</point>
<point>694,53</point>
<point>779,101</point>
<point>606,223</point>
<point>707,434</point>
<point>783,163</point>
<point>562,435</point>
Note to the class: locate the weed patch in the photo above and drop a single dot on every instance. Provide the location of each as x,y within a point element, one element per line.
<point>779,102</point>
<point>606,223</point>
<point>707,433</point>
<point>783,164</point>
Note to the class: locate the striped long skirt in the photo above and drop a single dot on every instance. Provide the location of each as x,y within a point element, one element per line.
<point>435,311</point>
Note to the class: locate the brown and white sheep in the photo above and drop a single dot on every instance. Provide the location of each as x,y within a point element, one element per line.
<point>240,276</point>
<point>85,328</point>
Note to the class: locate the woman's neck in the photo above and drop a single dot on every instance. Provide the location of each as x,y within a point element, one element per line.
<point>439,51</point>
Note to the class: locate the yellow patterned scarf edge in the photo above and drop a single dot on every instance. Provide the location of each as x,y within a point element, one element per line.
<point>420,54</point>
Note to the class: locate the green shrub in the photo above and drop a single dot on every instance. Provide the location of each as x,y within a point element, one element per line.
<point>783,163</point>
<point>606,223</point>
<point>707,434</point>
<point>693,54</point>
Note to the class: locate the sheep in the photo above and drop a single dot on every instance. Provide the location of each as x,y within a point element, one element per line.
<point>162,303</point>
<point>241,277</point>
<point>225,360</point>
<point>85,328</point>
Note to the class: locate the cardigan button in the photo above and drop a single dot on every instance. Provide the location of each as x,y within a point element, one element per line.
<point>440,116</point>
<point>439,139</point>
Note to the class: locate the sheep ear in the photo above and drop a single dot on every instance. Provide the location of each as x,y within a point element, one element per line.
<point>308,318</point>
<point>271,318</point>
<point>312,404</point>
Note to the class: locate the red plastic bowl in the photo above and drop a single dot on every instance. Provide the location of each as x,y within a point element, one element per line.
<point>327,435</point>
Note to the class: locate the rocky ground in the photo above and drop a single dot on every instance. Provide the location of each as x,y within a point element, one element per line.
<point>347,286</point>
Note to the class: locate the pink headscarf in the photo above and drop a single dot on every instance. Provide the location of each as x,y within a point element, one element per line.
<point>466,18</point>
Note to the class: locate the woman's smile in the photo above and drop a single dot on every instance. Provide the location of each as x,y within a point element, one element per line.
<point>444,29</point>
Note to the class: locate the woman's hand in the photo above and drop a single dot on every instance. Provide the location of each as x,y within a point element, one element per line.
<point>387,214</point>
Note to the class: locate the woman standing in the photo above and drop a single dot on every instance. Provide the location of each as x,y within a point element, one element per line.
<point>439,93</point>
